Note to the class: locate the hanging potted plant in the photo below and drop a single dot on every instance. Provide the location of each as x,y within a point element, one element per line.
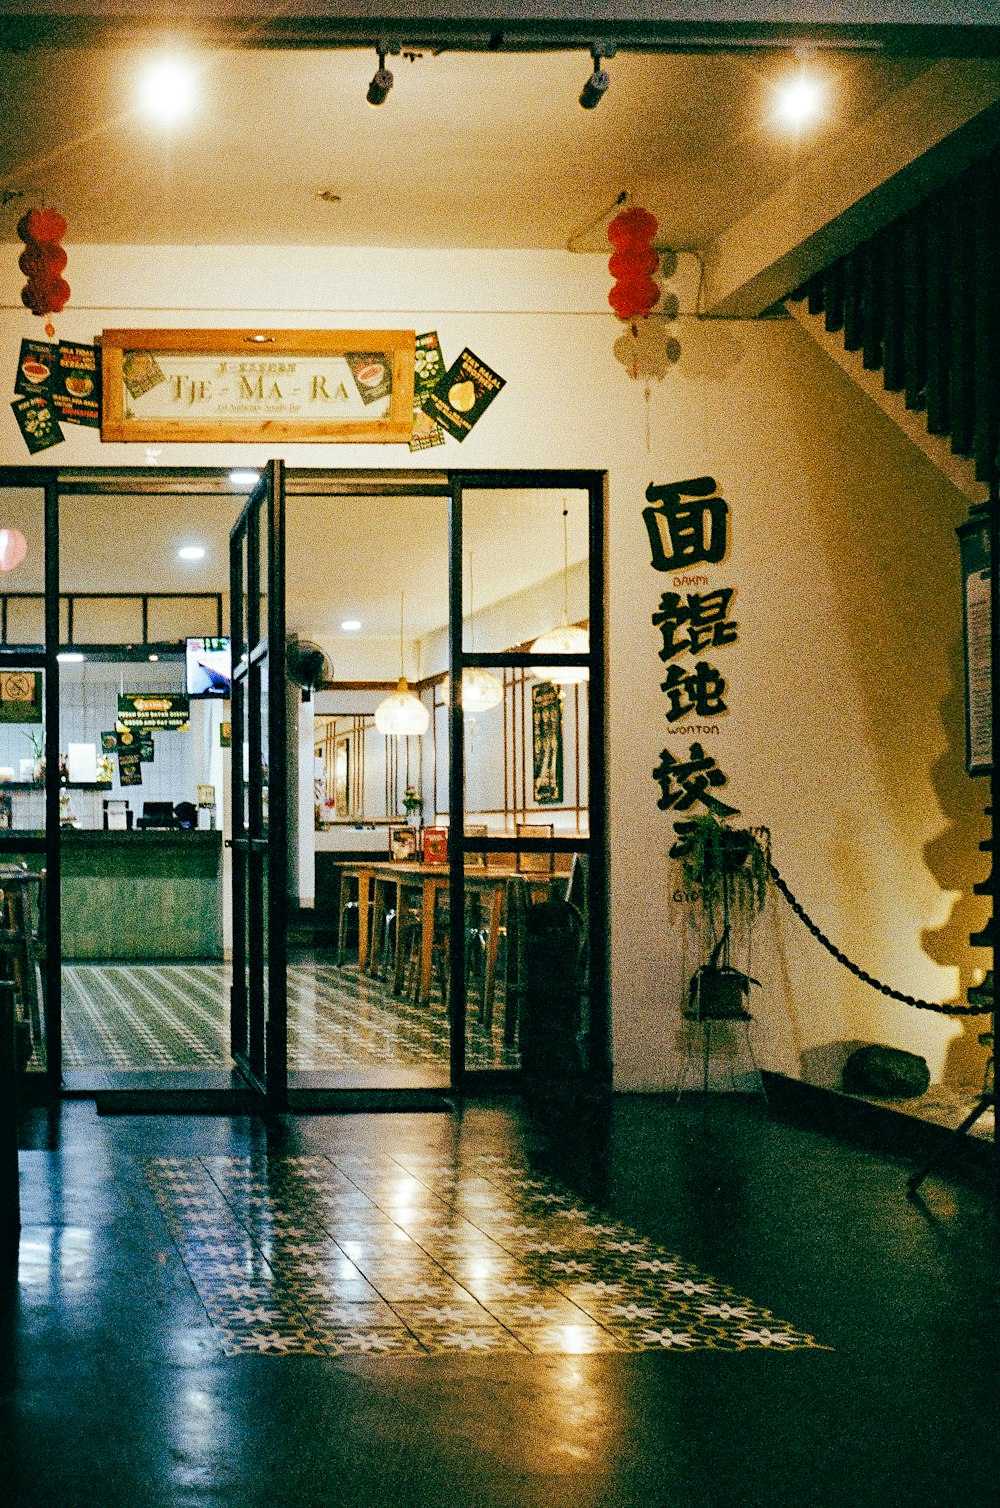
<point>726,872</point>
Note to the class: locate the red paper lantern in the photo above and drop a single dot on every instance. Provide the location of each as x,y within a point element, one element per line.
<point>43,260</point>
<point>632,263</point>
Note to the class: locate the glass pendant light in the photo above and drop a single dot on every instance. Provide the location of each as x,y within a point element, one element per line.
<point>565,640</point>
<point>402,714</point>
<point>481,690</point>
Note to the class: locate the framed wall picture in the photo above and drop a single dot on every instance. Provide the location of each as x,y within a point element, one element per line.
<point>403,843</point>
<point>546,744</point>
<point>257,385</point>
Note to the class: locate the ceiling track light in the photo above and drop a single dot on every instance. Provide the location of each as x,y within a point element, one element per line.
<point>382,80</point>
<point>597,85</point>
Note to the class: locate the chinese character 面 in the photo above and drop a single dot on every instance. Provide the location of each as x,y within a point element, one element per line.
<point>687,524</point>
<point>700,690</point>
<point>704,613</point>
<point>684,782</point>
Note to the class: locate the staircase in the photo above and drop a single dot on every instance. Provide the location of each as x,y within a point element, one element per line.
<point>920,302</point>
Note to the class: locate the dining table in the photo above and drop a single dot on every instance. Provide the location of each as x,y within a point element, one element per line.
<point>381,882</point>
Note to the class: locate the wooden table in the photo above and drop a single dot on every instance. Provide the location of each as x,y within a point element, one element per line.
<point>376,877</point>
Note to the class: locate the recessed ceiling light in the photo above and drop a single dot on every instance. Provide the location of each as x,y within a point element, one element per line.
<point>69,657</point>
<point>244,478</point>
<point>351,625</point>
<point>191,552</point>
<point>167,90</point>
<point>799,100</point>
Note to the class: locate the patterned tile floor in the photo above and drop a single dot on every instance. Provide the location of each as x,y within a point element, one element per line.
<point>133,1016</point>
<point>405,1253</point>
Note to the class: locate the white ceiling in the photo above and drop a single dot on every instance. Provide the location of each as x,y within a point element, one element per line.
<point>470,149</point>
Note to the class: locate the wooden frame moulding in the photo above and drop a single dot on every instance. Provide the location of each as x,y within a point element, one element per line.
<point>253,347</point>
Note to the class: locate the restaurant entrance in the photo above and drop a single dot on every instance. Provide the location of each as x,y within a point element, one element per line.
<point>342,903</point>
<point>451,713</point>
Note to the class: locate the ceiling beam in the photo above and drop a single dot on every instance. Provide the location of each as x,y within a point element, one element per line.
<point>920,138</point>
<point>927,27</point>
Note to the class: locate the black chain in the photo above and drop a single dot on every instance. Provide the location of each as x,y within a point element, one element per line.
<point>876,984</point>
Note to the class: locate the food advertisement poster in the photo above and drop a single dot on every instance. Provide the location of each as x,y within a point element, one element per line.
<point>76,391</point>
<point>461,397</point>
<point>36,369</point>
<point>37,422</point>
<point>428,371</point>
<point>129,769</point>
<point>156,711</point>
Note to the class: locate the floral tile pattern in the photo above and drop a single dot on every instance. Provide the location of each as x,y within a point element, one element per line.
<point>131,1015</point>
<point>405,1254</point>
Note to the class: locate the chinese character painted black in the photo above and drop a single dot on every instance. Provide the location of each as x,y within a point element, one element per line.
<point>688,525</point>
<point>700,690</point>
<point>684,782</point>
<point>704,613</point>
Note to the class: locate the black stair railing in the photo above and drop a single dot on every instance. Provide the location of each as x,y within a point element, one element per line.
<point>920,300</point>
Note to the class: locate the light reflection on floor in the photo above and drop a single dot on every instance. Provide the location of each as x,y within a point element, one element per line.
<point>399,1254</point>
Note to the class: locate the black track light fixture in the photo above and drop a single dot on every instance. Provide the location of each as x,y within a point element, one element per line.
<point>597,85</point>
<point>382,80</point>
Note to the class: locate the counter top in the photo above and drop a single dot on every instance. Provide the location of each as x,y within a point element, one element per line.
<point>162,836</point>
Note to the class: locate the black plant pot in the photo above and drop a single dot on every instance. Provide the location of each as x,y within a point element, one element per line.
<point>718,993</point>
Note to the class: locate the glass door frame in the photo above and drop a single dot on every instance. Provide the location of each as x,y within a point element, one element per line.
<point>46,480</point>
<point>594,484</point>
<point>259,996</point>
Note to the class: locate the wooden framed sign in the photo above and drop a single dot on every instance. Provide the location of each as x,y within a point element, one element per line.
<point>257,385</point>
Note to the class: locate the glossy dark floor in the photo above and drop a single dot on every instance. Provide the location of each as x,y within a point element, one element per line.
<point>117,1390</point>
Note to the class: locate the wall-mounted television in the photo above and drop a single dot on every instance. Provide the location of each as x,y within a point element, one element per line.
<point>209,667</point>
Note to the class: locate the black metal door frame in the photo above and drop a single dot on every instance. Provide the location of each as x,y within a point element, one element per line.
<point>46,480</point>
<point>259,1004</point>
<point>596,845</point>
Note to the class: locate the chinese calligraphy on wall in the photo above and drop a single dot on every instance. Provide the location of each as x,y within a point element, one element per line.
<point>688,527</point>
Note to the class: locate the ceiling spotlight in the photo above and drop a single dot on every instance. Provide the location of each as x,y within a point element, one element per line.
<point>351,625</point>
<point>596,86</point>
<point>191,552</point>
<point>799,100</point>
<point>167,90</point>
<point>382,80</point>
<point>244,478</point>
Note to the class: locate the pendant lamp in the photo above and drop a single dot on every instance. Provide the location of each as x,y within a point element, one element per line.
<point>402,714</point>
<point>481,690</point>
<point>565,640</point>
<point>13,548</point>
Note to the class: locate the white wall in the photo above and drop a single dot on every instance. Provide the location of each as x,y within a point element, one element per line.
<point>845,729</point>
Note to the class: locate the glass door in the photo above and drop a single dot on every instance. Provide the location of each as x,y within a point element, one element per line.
<point>29,768</point>
<point>527,826</point>
<point>258,1012</point>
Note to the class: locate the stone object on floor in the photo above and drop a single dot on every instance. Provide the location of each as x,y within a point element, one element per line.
<point>887,1072</point>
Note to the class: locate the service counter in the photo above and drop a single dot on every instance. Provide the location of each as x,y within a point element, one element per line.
<point>141,895</point>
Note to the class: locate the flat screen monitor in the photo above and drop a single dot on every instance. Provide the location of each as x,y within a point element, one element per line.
<point>209,667</point>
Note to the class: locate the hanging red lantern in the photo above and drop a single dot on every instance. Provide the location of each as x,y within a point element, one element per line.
<point>633,263</point>
<point>43,260</point>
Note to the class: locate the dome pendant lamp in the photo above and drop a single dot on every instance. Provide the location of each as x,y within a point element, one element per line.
<point>402,714</point>
<point>481,691</point>
<point>565,640</point>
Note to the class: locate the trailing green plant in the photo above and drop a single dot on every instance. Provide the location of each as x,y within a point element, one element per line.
<point>726,870</point>
<point>726,873</point>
